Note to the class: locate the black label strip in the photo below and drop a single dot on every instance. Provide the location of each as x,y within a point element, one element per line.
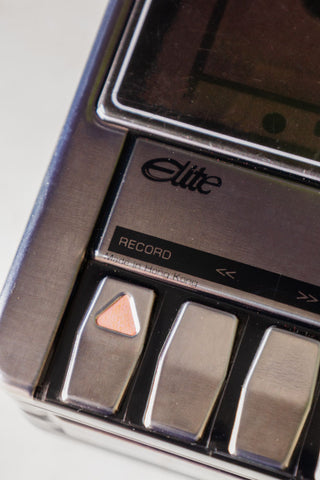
<point>215,269</point>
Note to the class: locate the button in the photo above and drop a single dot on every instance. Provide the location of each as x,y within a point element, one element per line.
<point>275,398</point>
<point>190,371</point>
<point>120,316</point>
<point>108,346</point>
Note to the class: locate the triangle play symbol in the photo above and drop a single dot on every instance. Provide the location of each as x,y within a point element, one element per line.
<point>120,316</point>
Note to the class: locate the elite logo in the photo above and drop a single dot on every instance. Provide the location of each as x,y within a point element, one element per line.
<point>183,175</point>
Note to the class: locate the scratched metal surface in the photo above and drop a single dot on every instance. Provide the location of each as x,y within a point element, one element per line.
<point>43,49</point>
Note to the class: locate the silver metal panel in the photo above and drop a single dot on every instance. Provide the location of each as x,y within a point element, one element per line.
<point>190,371</point>
<point>61,223</point>
<point>253,218</point>
<point>103,361</point>
<point>54,245</point>
<point>276,398</point>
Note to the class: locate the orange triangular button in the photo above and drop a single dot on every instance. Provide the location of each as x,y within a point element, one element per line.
<point>120,316</point>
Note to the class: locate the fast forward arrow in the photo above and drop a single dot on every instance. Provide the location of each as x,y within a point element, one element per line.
<point>307,297</point>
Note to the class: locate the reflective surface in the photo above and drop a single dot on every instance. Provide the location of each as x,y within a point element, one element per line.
<point>103,360</point>
<point>273,131</point>
<point>44,46</point>
<point>59,230</point>
<point>233,75</point>
<point>190,371</point>
<point>276,398</point>
<point>89,427</point>
<point>238,227</point>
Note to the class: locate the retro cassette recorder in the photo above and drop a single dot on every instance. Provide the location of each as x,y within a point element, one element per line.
<point>166,293</point>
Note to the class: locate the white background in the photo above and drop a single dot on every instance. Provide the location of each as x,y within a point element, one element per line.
<point>43,48</point>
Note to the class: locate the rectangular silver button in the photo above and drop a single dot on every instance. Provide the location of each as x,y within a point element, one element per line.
<point>275,398</point>
<point>108,346</point>
<point>190,371</point>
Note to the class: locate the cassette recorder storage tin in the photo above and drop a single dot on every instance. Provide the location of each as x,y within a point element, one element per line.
<point>166,293</point>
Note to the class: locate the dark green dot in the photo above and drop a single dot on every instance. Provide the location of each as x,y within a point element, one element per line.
<point>274,123</point>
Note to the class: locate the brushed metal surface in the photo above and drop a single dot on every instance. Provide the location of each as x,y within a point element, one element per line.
<point>190,371</point>
<point>60,226</point>
<point>48,260</point>
<point>253,218</point>
<point>103,361</point>
<point>276,398</point>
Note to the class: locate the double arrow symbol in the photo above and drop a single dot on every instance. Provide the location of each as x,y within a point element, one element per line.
<point>308,298</point>
<point>226,273</point>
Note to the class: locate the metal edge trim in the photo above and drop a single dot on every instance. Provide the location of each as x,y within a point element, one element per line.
<point>62,416</point>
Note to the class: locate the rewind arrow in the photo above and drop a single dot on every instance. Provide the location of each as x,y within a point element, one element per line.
<point>226,273</point>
